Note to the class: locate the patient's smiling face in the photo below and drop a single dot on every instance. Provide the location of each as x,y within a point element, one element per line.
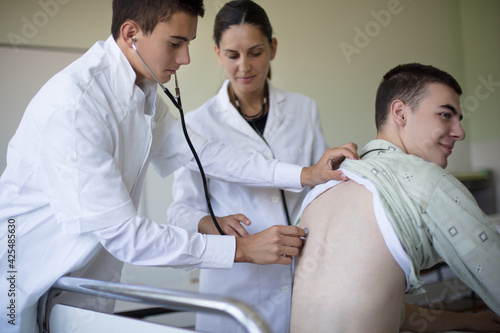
<point>433,127</point>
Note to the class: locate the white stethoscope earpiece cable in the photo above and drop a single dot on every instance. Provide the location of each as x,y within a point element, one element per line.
<point>149,69</point>
<point>177,103</point>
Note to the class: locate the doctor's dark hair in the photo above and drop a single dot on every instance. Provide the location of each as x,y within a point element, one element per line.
<point>147,13</point>
<point>408,83</point>
<point>239,12</point>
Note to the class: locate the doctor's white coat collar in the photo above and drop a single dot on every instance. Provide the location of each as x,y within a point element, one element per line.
<point>122,76</point>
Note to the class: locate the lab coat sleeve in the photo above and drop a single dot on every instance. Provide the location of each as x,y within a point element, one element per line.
<point>189,205</point>
<point>219,161</point>
<point>80,177</point>
<point>140,241</point>
<point>249,167</point>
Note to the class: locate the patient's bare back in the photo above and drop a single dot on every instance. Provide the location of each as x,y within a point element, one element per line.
<point>346,280</point>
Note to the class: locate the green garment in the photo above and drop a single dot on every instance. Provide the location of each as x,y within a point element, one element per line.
<point>435,218</point>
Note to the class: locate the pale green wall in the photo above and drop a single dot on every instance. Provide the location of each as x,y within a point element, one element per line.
<point>311,59</point>
<point>459,36</point>
<point>481,36</point>
<point>61,23</point>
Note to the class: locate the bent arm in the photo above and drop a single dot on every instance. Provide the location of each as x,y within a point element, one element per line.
<point>140,241</point>
<point>170,151</point>
<point>248,167</point>
<point>419,319</point>
<point>466,239</point>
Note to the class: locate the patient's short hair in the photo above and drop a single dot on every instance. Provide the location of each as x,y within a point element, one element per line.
<point>408,83</point>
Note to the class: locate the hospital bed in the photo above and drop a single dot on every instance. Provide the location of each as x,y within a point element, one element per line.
<point>55,318</point>
<point>62,318</point>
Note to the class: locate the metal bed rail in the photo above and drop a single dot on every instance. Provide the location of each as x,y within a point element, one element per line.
<point>171,299</point>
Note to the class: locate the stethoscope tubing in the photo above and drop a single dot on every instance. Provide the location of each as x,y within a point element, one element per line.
<point>178,104</point>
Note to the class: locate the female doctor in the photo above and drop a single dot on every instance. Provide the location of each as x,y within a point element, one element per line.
<point>248,113</point>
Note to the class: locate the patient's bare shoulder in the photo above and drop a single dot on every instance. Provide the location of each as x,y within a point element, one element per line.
<point>330,218</point>
<point>346,201</point>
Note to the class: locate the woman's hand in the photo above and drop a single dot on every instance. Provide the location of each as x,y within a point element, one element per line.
<point>231,225</point>
<point>326,168</point>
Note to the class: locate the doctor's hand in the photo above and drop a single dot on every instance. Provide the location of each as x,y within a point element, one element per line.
<point>275,245</point>
<point>326,168</point>
<point>231,225</point>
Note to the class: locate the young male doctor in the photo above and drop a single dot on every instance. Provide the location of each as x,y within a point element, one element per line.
<point>76,165</point>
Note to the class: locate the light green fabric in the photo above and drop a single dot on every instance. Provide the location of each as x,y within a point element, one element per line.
<point>435,217</point>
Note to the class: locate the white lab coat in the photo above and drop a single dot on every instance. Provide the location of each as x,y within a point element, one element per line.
<point>75,169</point>
<point>294,133</point>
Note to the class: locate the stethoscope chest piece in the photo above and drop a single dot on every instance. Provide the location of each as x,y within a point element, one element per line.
<point>305,237</point>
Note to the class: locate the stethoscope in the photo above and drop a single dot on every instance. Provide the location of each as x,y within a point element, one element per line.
<point>178,104</point>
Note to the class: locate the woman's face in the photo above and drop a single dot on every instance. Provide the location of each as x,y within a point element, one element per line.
<point>245,54</point>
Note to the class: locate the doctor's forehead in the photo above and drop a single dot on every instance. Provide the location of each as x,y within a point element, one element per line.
<point>180,26</point>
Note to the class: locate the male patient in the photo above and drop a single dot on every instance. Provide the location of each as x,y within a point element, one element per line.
<point>401,212</point>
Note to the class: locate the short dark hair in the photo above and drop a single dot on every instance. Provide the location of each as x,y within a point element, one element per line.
<point>408,83</point>
<point>147,13</point>
<point>239,12</point>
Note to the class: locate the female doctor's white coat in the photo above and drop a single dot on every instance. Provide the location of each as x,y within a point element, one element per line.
<point>73,180</point>
<point>294,134</point>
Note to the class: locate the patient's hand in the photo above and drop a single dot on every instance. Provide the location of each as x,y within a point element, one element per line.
<point>483,322</point>
<point>231,225</point>
<point>419,319</point>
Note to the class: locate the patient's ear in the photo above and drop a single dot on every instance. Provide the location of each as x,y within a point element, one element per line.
<point>398,112</point>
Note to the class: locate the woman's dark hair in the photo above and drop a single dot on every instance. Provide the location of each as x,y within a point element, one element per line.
<point>238,12</point>
<point>147,13</point>
<point>408,83</point>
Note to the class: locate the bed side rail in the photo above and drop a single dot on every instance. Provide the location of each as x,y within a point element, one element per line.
<point>246,316</point>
